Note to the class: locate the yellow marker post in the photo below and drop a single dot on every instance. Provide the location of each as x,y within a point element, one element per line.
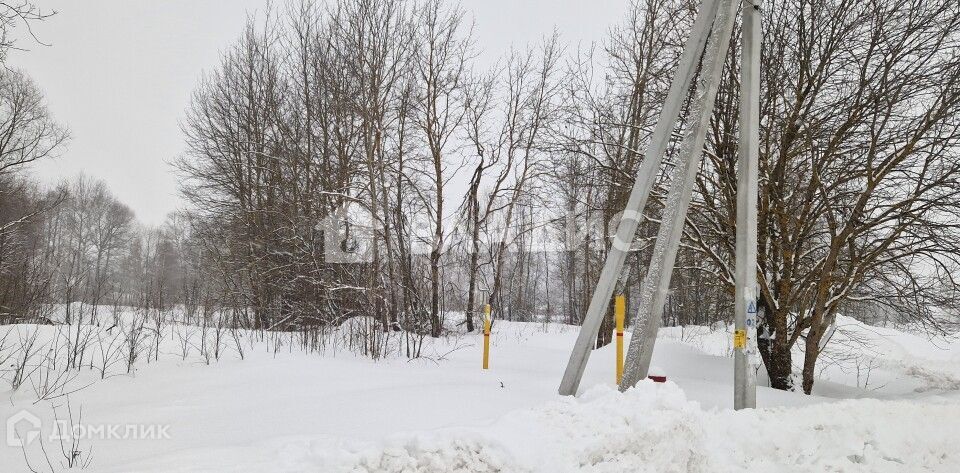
<point>486,336</point>
<point>619,312</point>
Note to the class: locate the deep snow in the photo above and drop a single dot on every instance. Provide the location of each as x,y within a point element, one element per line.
<point>291,411</point>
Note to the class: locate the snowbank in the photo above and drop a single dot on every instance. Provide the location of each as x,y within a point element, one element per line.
<point>652,428</point>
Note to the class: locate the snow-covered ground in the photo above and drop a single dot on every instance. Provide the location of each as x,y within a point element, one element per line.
<point>893,407</point>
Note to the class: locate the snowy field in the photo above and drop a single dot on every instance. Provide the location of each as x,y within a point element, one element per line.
<point>894,407</point>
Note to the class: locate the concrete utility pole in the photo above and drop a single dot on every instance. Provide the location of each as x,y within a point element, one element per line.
<point>656,284</point>
<point>627,228</point>
<point>745,317</point>
<point>718,16</point>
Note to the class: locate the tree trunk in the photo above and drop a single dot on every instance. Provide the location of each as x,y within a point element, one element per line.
<point>779,363</point>
<point>810,358</point>
<point>435,290</point>
<point>605,335</point>
<point>474,254</point>
<point>773,343</point>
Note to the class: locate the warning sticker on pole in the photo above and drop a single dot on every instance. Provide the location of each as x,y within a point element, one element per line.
<point>740,339</point>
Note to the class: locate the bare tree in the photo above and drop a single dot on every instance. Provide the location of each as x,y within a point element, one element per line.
<point>18,13</point>
<point>508,124</point>
<point>859,165</point>
<point>27,132</point>
<point>613,98</point>
<point>440,64</point>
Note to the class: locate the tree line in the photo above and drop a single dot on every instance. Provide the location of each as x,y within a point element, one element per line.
<point>356,161</point>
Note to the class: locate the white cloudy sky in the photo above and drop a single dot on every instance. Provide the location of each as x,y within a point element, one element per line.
<point>119,73</point>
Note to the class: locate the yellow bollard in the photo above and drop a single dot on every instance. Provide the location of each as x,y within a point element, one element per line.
<point>619,311</point>
<point>486,336</point>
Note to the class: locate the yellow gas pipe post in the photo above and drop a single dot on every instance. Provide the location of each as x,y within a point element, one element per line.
<point>619,311</point>
<point>486,336</point>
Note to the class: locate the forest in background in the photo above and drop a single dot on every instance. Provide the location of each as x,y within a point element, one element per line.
<point>499,185</point>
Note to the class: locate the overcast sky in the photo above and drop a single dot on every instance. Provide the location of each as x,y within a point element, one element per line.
<point>119,73</point>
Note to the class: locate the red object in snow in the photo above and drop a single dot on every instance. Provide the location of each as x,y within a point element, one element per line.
<point>658,379</point>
